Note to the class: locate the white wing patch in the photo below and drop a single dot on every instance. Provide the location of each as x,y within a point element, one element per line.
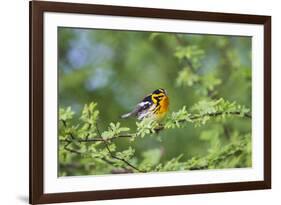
<point>146,113</point>
<point>143,104</point>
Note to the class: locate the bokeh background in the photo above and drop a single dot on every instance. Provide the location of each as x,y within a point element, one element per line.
<point>117,68</point>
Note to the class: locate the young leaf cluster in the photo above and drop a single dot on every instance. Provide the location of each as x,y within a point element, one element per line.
<point>191,57</point>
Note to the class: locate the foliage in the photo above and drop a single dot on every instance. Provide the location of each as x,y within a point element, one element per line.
<point>89,143</point>
<point>115,70</point>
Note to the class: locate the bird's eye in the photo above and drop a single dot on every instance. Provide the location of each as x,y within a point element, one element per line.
<point>158,97</point>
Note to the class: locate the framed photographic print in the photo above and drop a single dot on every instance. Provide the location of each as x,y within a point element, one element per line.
<point>136,102</point>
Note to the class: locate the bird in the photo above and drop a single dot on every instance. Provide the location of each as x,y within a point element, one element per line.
<point>154,105</point>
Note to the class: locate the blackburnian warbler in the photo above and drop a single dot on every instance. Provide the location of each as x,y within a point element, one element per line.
<point>154,105</point>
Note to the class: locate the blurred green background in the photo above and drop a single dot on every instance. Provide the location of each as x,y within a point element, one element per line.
<point>117,68</point>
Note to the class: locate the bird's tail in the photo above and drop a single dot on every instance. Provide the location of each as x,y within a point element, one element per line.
<point>126,115</point>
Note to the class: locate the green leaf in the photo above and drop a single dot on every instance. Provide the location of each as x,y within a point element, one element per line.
<point>186,77</point>
<point>126,154</point>
<point>90,114</point>
<point>146,126</point>
<point>114,130</point>
<point>209,81</point>
<point>175,119</point>
<point>192,53</point>
<point>65,114</point>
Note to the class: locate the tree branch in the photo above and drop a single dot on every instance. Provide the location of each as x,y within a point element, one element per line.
<point>215,114</point>
<point>111,153</point>
<point>159,128</point>
<point>68,142</point>
<point>106,142</point>
<point>99,139</point>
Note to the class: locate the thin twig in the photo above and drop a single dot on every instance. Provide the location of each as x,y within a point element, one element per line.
<point>69,149</point>
<point>68,142</point>
<point>100,139</point>
<point>115,157</point>
<point>216,114</point>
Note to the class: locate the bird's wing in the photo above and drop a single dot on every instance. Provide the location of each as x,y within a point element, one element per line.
<point>142,106</point>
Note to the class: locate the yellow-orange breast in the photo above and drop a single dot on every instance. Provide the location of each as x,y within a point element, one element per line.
<point>164,106</point>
